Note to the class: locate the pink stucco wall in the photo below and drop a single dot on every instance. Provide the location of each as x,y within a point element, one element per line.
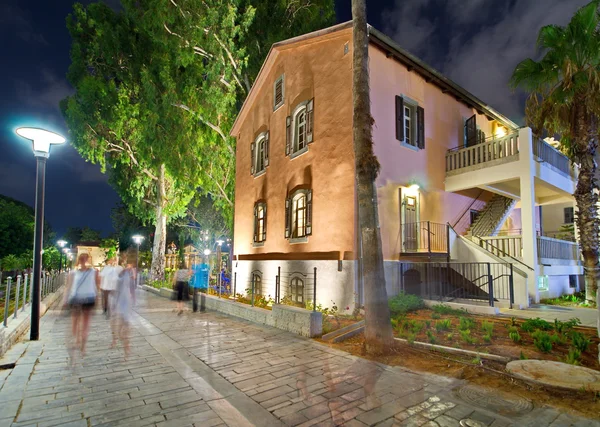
<point>401,165</point>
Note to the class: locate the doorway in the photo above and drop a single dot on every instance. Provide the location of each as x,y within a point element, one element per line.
<point>410,222</point>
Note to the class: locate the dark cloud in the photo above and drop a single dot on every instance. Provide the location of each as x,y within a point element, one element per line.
<point>16,21</point>
<point>477,43</point>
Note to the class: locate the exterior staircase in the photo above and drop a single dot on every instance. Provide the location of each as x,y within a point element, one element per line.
<point>491,218</point>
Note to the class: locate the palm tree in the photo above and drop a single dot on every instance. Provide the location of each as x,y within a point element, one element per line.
<point>564,100</point>
<point>378,329</point>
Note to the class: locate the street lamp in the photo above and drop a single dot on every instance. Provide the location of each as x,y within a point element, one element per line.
<point>61,244</point>
<point>137,239</point>
<point>41,140</point>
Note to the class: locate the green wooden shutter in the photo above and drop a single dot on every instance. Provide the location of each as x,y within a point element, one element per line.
<point>288,135</point>
<point>255,234</point>
<point>309,120</point>
<point>470,131</point>
<point>252,163</point>
<point>287,218</point>
<point>420,127</point>
<point>264,234</point>
<point>399,118</point>
<point>309,212</point>
<point>266,150</point>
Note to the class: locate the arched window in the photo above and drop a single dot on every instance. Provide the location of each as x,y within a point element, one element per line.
<point>297,290</point>
<point>260,154</point>
<point>256,283</point>
<point>300,128</point>
<point>298,211</point>
<point>260,222</point>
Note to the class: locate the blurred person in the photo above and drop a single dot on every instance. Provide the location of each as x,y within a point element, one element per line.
<point>80,297</point>
<point>123,299</point>
<point>181,279</point>
<point>109,277</point>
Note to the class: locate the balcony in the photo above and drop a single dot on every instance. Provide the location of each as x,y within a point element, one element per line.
<point>424,237</point>
<point>499,164</point>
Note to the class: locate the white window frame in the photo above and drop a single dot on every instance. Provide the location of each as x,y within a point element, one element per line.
<point>282,79</point>
<point>260,139</point>
<point>295,237</point>
<point>295,150</point>
<point>411,105</point>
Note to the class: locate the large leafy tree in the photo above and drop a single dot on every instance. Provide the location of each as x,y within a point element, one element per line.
<point>564,99</point>
<point>16,227</point>
<point>158,86</point>
<point>378,330</point>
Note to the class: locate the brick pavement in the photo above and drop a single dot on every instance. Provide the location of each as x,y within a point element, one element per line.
<point>207,369</point>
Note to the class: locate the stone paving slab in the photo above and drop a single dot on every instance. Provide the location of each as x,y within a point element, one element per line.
<point>205,369</point>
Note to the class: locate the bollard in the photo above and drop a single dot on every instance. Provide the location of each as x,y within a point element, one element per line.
<point>234,284</point>
<point>17,296</point>
<point>7,300</point>
<point>25,277</point>
<point>252,299</point>
<point>315,291</point>
<point>195,300</point>
<point>30,286</point>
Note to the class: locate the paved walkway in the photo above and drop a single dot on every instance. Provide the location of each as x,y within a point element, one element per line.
<point>206,369</point>
<point>588,316</point>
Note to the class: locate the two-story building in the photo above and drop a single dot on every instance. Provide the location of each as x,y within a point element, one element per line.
<point>462,190</point>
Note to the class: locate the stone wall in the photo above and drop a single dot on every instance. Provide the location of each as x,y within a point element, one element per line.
<point>292,319</point>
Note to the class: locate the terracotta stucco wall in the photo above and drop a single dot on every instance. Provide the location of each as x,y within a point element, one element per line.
<point>401,165</point>
<point>317,69</point>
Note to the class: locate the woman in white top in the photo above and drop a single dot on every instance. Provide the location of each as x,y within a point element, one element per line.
<point>181,279</point>
<point>123,299</point>
<point>80,297</point>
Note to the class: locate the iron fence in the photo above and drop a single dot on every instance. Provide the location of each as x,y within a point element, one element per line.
<point>448,281</point>
<point>424,237</point>
<point>15,294</point>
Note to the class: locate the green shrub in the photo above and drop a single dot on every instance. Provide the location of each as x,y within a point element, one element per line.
<point>435,316</point>
<point>487,337</point>
<point>427,324</point>
<point>522,356</point>
<point>487,327</point>
<point>411,338</point>
<point>515,336</point>
<point>446,309</point>
<point>405,303</point>
<point>443,325</point>
<point>558,339</point>
<point>573,356</point>
<point>542,341</point>
<point>414,326</point>
<point>465,334</point>
<point>465,323</point>
<point>531,325</point>
<point>513,329</point>
<point>561,327</point>
<point>513,321</point>
<point>431,337</point>
<point>580,341</point>
<point>450,336</point>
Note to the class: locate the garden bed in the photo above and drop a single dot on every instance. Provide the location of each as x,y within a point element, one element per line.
<point>576,300</point>
<point>512,338</point>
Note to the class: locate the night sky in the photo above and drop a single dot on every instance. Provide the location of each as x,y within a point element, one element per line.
<point>477,43</point>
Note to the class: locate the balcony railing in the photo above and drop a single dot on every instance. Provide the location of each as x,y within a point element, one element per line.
<point>547,153</point>
<point>503,245</point>
<point>557,249</point>
<point>497,149</point>
<point>424,237</point>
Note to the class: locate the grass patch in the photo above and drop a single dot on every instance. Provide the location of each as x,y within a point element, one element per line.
<point>446,309</point>
<point>405,303</point>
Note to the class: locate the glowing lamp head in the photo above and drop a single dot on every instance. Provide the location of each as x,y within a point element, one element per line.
<point>414,187</point>
<point>41,138</point>
<point>61,243</point>
<point>66,250</point>
<point>137,239</point>
<point>207,252</point>
<point>219,242</point>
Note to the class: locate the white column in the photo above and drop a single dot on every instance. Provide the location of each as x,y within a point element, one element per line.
<point>528,220</point>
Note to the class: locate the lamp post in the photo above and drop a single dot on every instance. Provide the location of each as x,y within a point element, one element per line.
<point>61,244</point>
<point>137,239</point>
<point>67,256</point>
<point>41,140</point>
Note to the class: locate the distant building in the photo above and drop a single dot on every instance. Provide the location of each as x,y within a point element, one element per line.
<point>97,254</point>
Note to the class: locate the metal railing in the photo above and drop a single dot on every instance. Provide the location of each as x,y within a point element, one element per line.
<point>503,245</point>
<point>506,148</point>
<point>557,249</point>
<point>448,281</point>
<point>424,237</point>
<point>547,153</point>
<point>15,294</point>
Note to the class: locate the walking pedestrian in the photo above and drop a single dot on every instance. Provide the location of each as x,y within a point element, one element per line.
<point>108,283</point>
<point>80,297</point>
<point>181,279</point>
<point>122,303</point>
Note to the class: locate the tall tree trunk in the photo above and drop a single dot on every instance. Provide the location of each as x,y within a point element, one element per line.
<point>586,196</point>
<point>160,232</point>
<point>378,329</point>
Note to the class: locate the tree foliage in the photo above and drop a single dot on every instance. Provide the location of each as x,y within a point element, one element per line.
<point>16,227</point>
<point>564,100</point>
